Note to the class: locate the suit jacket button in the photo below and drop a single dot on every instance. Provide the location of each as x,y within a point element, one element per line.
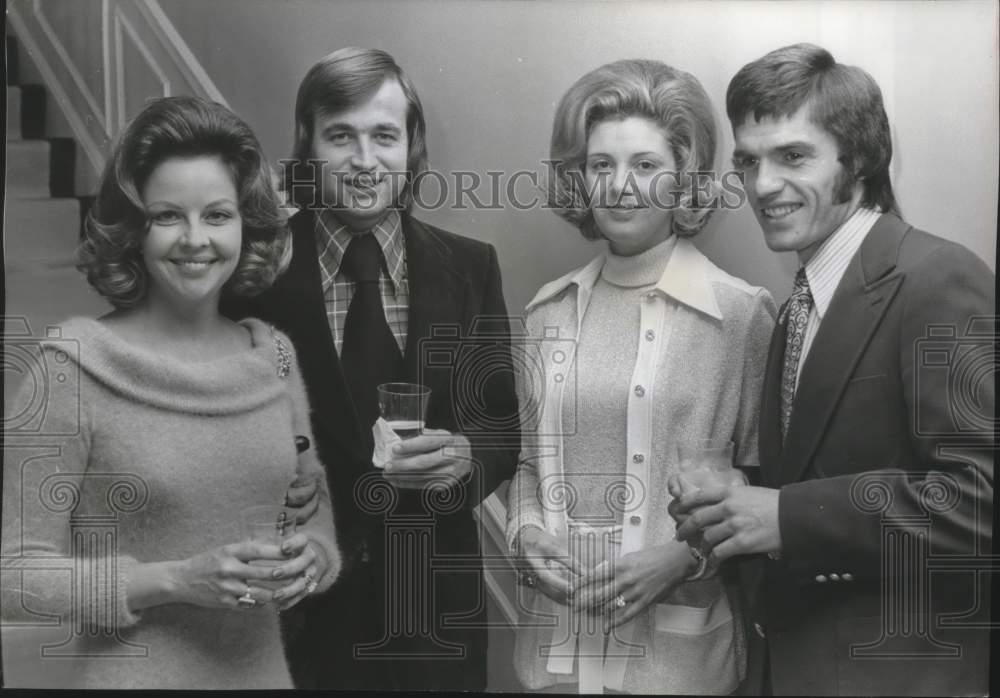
<point>760,630</point>
<point>635,520</point>
<point>847,577</point>
<point>821,578</point>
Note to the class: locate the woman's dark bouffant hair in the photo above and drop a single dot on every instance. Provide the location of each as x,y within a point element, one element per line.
<point>110,253</point>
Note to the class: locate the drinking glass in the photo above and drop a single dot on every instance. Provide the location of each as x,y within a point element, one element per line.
<point>267,523</point>
<point>403,406</point>
<point>705,462</point>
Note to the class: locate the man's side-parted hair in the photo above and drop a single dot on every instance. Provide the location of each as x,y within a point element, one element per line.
<point>843,100</point>
<point>110,253</point>
<point>341,80</point>
<point>671,98</point>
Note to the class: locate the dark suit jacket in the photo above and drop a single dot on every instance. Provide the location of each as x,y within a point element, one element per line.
<point>886,475</point>
<point>457,344</point>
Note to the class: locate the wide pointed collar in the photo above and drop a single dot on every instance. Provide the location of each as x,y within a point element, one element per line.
<point>687,278</point>
<point>333,238</point>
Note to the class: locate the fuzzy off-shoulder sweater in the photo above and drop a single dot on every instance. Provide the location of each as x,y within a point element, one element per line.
<point>139,458</point>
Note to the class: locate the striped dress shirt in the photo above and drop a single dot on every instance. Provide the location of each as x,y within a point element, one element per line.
<point>826,268</point>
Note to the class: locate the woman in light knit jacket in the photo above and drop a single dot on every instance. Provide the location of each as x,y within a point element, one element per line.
<point>163,423</point>
<point>648,346</point>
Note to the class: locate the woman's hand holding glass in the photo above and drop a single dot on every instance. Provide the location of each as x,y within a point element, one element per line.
<point>265,571</point>
<point>294,575</point>
<point>303,566</point>
<point>217,578</point>
<point>624,588</point>
<point>553,568</point>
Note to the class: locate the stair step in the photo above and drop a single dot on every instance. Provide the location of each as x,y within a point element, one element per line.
<point>33,105</point>
<point>40,168</point>
<point>13,113</point>
<point>28,168</point>
<point>45,296</point>
<point>40,231</point>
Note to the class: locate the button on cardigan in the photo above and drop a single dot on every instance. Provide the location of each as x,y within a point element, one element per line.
<point>704,339</point>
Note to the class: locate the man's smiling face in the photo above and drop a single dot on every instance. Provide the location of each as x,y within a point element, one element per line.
<point>799,190</point>
<point>364,152</point>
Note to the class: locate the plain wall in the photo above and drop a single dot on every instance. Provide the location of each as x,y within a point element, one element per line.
<point>490,74</point>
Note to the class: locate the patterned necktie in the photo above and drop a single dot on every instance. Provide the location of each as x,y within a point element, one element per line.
<point>369,354</point>
<point>796,318</point>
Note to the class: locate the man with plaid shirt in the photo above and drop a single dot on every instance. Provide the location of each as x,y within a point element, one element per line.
<point>370,290</point>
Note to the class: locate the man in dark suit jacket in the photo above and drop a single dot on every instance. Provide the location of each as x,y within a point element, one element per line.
<point>874,507</point>
<point>409,611</point>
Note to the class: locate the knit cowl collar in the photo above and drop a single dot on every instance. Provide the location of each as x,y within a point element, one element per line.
<point>228,385</point>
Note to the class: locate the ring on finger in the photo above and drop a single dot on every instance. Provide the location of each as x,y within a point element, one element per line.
<point>620,601</point>
<point>246,601</point>
<point>311,583</point>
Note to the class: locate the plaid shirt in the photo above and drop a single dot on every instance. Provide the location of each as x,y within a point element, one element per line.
<point>332,239</point>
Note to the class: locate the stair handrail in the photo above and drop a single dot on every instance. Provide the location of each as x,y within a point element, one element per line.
<point>94,127</point>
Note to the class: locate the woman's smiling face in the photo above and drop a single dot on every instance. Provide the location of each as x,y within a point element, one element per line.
<point>195,231</point>
<point>630,173</point>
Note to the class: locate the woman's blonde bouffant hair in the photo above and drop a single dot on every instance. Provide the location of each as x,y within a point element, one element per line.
<point>671,98</point>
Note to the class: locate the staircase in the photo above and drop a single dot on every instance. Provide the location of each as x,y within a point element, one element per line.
<point>42,216</point>
<point>41,227</point>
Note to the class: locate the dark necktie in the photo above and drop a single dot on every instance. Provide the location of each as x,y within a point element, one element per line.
<point>369,354</point>
<point>797,316</point>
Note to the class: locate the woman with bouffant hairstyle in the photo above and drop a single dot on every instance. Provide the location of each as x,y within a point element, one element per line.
<point>651,359</point>
<point>110,252</point>
<point>670,98</point>
<point>182,430</point>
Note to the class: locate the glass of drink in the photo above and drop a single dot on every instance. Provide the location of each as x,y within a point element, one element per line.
<point>270,524</point>
<point>705,462</point>
<point>403,406</point>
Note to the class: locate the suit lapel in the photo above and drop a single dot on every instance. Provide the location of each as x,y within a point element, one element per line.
<point>437,291</point>
<point>857,308</point>
<point>298,296</point>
